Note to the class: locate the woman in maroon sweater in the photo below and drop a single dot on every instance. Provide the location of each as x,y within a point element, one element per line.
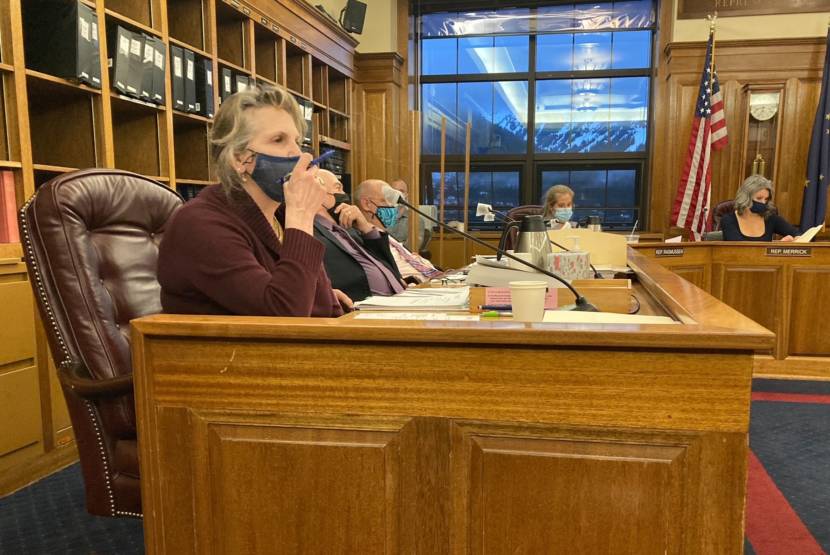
<point>246,246</point>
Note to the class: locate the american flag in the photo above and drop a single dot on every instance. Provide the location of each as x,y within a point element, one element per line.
<point>691,206</point>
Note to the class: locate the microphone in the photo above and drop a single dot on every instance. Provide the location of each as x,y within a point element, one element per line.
<point>582,304</point>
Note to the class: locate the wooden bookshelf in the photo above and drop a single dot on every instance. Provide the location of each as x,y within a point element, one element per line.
<point>50,125</point>
<point>231,35</point>
<point>186,24</point>
<point>5,153</point>
<point>133,12</point>
<point>126,21</point>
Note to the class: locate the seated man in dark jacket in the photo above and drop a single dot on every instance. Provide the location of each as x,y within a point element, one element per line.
<point>357,259</point>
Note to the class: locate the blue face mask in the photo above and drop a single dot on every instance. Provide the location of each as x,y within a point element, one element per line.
<point>388,215</point>
<point>563,214</point>
<point>270,171</point>
<point>758,207</point>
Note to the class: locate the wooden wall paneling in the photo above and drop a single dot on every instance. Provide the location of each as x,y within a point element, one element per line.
<point>405,49</point>
<point>378,128</point>
<point>795,62</point>
<point>807,336</point>
<point>800,101</point>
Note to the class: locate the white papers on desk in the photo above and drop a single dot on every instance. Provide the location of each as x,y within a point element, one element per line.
<point>678,239</point>
<point>490,275</point>
<point>420,299</point>
<point>808,235</point>
<point>575,317</point>
<point>415,316</point>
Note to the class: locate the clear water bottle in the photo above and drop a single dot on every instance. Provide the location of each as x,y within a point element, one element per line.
<point>594,223</point>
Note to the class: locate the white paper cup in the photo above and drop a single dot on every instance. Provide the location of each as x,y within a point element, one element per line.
<point>632,238</point>
<point>528,300</point>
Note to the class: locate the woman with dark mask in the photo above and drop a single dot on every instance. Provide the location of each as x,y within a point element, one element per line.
<point>246,246</point>
<point>754,218</point>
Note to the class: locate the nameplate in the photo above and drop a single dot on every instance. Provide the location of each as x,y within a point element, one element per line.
<point>669,252</point>
<point>803,252</point>
<point>693,9</point>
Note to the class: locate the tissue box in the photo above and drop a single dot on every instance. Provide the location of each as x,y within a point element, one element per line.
<point>571,265</point>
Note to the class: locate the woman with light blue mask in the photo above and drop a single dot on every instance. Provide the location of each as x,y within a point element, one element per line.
<point>559,202</point>
<point>246,245</point>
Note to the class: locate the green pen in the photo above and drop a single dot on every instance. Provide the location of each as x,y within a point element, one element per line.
<point>495,314</point>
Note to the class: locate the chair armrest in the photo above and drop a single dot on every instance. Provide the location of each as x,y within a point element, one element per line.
<point>70,376</point>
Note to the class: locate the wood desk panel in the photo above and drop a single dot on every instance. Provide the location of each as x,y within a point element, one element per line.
<point>810,306</point>
<point>787,294</point>
<point>752,290</point>
<point>290,435</point>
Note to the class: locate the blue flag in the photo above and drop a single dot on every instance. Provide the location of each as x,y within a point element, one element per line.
<point>814,208</point>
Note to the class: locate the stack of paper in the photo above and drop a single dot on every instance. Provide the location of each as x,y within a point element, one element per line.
<point>426,298</point>
<point>808,235</point>
<point>490,275</point>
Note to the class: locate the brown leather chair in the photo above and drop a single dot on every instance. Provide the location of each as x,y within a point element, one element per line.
<point>91,245</point>
<point>516,214</point>
<point>721,209</point>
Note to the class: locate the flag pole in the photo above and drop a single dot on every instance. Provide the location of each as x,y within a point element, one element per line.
<point>467,185</point>
<point>712,27</point>
<point>441,201</point>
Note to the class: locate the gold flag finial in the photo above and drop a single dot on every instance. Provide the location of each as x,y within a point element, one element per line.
<point>712,19</point>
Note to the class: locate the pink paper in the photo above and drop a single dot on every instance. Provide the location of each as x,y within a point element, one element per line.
<point>498,296</point>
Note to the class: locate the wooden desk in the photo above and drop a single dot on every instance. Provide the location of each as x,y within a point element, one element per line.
<point>785,287</point>
<point>300,435</point>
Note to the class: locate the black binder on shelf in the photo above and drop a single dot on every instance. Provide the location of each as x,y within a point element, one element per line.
<point>135,65</point>
<point>204,86</point>
<point>148,54</point>
<point>158,71</point>
<point>190,81</point>
<point>61,39</point>
<point>177,77</point>
<point>119,62</point>
<point>241,82</point>
<point>226,86</point>
<point>89,55</point>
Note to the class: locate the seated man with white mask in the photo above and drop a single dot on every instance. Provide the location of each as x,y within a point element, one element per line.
<point>358,260</point>
<point>377,201</point>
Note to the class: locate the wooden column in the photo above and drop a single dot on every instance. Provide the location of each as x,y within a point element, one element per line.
<point>380,133</point>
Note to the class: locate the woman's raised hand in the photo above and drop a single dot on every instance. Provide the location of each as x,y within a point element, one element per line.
<point>304,193</point>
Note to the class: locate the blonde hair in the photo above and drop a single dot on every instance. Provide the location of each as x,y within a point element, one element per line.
<point>232,129</point>
<point>550,197</point>
<point>747,190</point>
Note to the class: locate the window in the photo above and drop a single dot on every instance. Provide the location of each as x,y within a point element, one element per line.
<point>497,187</point>
<point>607,190</point>
<point>553,93</point>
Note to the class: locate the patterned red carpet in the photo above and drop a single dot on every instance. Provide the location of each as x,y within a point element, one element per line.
<point>788,492</point>
<point>788,500</point>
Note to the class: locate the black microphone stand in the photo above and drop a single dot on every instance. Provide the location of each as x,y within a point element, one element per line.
<point>581,304</point>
